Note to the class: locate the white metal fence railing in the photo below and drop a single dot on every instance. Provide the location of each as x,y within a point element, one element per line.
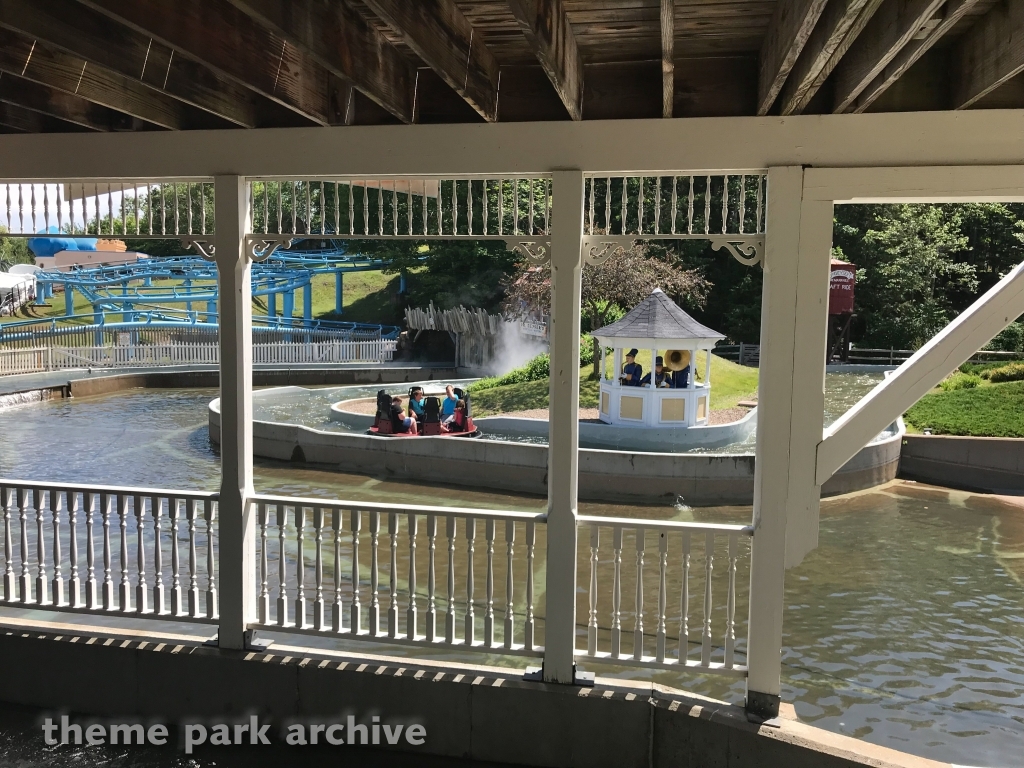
<point>684,556</point>
<point>320,571</point>
<point>92,549</point>
<point>32,360</point>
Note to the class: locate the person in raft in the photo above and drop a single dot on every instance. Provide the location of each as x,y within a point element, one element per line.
<point>399,421</point>
<point>448,404</point>
<point>416,404</point>
<point>457,421</point>
<point>632,371</point>
<point>662,378</point>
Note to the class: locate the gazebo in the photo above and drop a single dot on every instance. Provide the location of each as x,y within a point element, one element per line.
<point>656,323</point>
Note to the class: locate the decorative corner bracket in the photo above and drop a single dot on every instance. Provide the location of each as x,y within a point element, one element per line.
<point>597,249</point>
<point>535,251</point>
<point>206,248</point>
<point>747,251</point>
<point>262,247</point>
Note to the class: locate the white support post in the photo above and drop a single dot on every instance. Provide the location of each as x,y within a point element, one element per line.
<point>789,417</point>
<point>563,436</point>
<point>236,523</point>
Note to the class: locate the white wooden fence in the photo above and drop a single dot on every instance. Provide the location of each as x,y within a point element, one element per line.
<point>56,358</point>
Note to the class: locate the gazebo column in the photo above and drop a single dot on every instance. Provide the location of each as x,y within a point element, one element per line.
<point>790,415</point>
<point>235,521</point>
<point>563,426</point>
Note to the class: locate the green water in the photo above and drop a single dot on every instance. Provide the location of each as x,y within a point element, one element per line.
<point>905,627</point>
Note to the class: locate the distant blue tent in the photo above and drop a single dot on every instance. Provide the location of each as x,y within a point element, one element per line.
<point>48,246</point>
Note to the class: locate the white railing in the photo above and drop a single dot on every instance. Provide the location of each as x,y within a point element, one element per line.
<point>52,533</point>
<point>31,360</point>
<point>684,556</point>
<point>320,572</point>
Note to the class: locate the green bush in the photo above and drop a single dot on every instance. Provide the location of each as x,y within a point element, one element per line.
<point>536,369</point>
<point>1009,372</point>
<point>960,381</point>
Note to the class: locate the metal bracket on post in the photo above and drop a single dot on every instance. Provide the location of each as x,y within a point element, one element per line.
<point>579,677</point>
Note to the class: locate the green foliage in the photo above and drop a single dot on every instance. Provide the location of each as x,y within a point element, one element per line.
<point>1010,372</point>
<point>13,250</point>
<point>536,369</point>
<point>960,381</point>
<point>995,411</point>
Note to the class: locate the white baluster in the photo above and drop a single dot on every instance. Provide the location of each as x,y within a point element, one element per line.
<point>730,619</point>
<point>707,206</point>
<point>675,202</point>
<point>109,503</point>
<point>709,556</point>
<point>725,203</point>
<point>616,631</point>
<point>638,628</point>
<point>337,608</point>
<point>125,587</point>
<point>6,502</point>
<point>57,584</point>
<point>42,588</point>
<point>300,560</point>
<point>470,582</point>
<point>159,600</point>
<point>211,566</point>
<point>410,614</point>
<point>318,536</point>
<point>25,579</point>
<point>264,596</point>
<point>91,595</point>
<point>356,523</point>
<point>528,627</point>
<point>489,610</point>
<point>595,543</point>
<point>193,565</point>
<point>431,627</point>
<point>449,618</point>
<point>662,594</point>
<point>684,603</point>
<point>374,608</point>
<point>510,538</point>
<point>393,576</point>
<point>177,603</point>
<point>282,565</point>
<point>139,507</point>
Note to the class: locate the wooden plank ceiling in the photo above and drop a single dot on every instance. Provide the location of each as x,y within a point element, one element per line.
<point>118,65</point>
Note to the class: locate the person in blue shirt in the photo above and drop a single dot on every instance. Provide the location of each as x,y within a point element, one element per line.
<point>662,378</point>
<point>632,371</point>
<point>681,379</point>
<point>449,402</point>
<point>416,404</point>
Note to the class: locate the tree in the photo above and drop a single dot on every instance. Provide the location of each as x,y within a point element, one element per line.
<point>13,250</point>
<point>608,290</point>
<point>911,270</point>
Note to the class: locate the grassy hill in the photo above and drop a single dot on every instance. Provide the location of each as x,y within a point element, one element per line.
<point>989,410</point>
<point>730,383</point>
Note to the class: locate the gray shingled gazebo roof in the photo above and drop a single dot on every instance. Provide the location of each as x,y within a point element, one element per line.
<point>657,322</point>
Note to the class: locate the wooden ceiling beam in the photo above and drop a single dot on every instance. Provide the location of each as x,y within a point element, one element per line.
<point>952,13</point>
<point>546,27</point>
<point>24,56</point>
<point>668,65</point>
<point>233,44</point>
<point>991,53</point>
<point>83,32</point>
<point>890,30</point>
<point>63,106</point>
<point>840,24</point>
<point>440,34</point>
<point>27,121</point>
<point>341,41</point>
<point>790,28</point>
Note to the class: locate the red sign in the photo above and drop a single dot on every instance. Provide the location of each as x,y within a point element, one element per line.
<point>840,293</point>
